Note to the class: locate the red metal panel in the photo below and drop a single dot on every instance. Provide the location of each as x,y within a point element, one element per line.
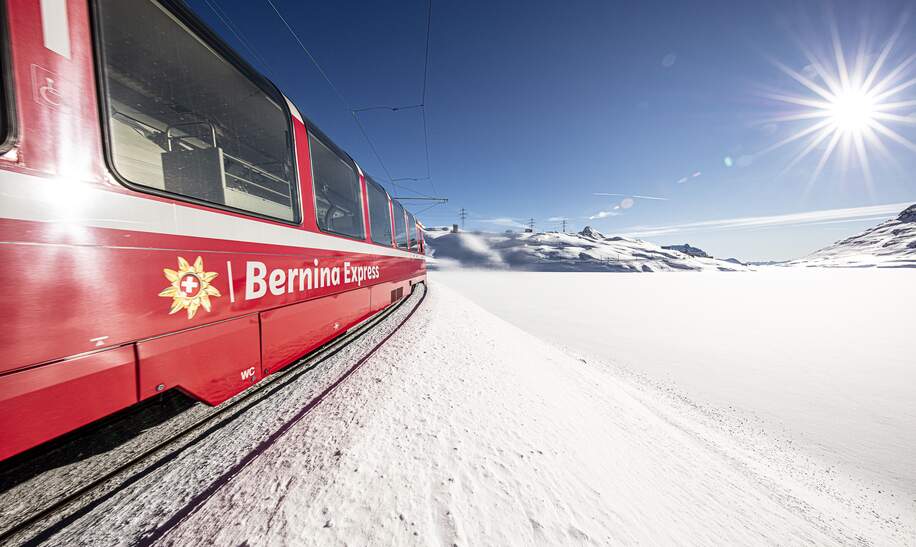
<point>41,403</point>
<point>105,294</point>
<point>292,331</point>
<point>365,196</point>
<point>380,297</point>
<point>304,168</point>
<point>55,94</point>
<point>210,363</point>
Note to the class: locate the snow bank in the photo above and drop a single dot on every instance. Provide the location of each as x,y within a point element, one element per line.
<point>465,430</point>
<point>589,250</point>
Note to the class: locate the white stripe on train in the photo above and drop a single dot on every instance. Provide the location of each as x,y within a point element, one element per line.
<point>73,203</point>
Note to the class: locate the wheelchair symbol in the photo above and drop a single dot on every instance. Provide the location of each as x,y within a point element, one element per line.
<point>49,93</point>
<point>48,88</point>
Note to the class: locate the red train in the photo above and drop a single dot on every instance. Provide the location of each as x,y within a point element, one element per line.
<point>168,219</point>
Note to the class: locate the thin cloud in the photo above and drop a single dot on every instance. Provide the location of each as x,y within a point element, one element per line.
<point>629,196</point>
<point>557,219</point>
<point>693,175</point>
<point>604,214</point>
<point>502,221</point>
<point>872,212</point>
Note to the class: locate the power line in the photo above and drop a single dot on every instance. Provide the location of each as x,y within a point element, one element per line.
<point>429,18</point>
<point>421,106</point>
<point>310,56</point>
<point>463,214</point>
<point>428,208</point>
<point>227,21</point>
<point>343,99</point>
<point>386,107</point>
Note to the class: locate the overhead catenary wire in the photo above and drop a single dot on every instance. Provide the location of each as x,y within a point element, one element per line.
<point>421,106</point>
<point>342,99</point>
<point>229,24</point>
<point>227,21</point>
<point>429,18</point>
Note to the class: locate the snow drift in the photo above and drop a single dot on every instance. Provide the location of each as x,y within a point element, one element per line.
<point>586,251</point>
<point>891,244</point>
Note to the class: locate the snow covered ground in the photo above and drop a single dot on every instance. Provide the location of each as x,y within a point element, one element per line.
<point>822,357</point>
<point>466,430</point>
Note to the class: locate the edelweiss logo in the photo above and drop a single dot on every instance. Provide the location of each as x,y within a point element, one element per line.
<point>190,288</point>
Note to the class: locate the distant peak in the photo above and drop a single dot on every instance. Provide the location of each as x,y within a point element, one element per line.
<point>592,233</point>
<point>908,214</point>
<point>687,249</point>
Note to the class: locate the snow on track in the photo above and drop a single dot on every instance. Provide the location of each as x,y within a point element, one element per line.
<point>463,430</point>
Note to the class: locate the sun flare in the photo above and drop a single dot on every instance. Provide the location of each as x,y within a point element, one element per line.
<point>848,109</point>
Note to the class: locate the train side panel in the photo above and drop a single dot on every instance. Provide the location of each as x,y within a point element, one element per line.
<point>118,294</point>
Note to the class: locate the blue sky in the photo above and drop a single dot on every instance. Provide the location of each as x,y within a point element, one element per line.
<point>534,107</point>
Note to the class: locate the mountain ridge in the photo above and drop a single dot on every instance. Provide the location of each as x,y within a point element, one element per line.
<point>587,251</point>
<point>891,244</point>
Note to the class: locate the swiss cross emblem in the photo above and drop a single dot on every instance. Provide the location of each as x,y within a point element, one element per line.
<point>190,287</point>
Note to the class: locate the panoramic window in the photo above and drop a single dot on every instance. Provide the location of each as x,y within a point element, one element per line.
<point>412,231</point>
<point>183,120</point>
<point>7,108</point>
<point>338,200</point>
<point>379,214</point>
<point>400,226</point>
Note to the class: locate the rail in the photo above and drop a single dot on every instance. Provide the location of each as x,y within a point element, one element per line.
<point>82,499</point>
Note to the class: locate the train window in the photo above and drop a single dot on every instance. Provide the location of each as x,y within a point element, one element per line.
<point>379,214</point>
<point>412,231</point>
<point>183,120</point>
<point>338,199</point>
<point>400,225</point>
<point>7,107</point>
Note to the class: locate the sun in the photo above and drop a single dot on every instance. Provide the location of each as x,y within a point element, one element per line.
<point>848,109</point>
<point>852,112</point>
<point>190,289</point>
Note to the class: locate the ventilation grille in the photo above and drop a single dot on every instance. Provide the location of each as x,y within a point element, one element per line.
<point>397,294</point>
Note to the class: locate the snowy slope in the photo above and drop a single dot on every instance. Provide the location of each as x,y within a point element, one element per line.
<point>466,431</point>
<point>822,356</point>
<point>589,251</point>
<point>891,244</point>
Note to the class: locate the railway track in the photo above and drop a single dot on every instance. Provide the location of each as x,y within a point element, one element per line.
<point>42,524</point>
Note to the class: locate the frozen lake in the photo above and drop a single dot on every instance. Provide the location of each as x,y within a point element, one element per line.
<point>824,356</point>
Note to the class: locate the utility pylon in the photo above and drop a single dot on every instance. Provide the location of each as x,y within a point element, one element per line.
<point>462,214</point>
<point>531,224</point>
<point>564,225</point>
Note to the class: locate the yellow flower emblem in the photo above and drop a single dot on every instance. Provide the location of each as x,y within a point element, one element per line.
<point>190,288</point>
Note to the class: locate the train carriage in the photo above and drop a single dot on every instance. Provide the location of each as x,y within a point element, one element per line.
<point>169,219</point>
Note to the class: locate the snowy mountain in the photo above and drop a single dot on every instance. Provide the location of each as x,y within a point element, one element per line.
<point>687,249</point>
<point>589,251</point>
<point>891,244</point>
